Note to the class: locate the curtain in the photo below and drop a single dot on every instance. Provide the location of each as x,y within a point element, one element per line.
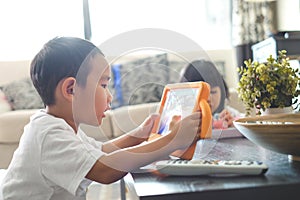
<point>252,22</point>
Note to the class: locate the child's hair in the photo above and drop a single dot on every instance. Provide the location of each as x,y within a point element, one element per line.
<point>60,58</point>
<point>203,70</point>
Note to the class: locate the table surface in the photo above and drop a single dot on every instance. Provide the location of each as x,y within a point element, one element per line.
<point>281,181</point>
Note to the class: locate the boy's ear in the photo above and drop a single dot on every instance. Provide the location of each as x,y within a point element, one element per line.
<point>68,86</point>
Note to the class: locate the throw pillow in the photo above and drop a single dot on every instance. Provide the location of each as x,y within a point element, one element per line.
<point>175,70</point>
<point>4,105</point>
<point>140,81</point>
<point>21,94</point>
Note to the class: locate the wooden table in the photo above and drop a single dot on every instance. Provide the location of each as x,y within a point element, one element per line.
<point>282,180</point>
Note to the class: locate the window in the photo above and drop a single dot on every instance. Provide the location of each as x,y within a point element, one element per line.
<point>27,25</point>
<point>207,22</point>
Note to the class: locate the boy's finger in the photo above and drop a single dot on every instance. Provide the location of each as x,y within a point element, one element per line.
<point>154,116</point>
<point>176,117</point>
<point>196,115</point>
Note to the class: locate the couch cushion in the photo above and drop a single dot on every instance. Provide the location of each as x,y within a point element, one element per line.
<point>7,151</point>
<point>4,105</point>
<point>126,118</point>
<point>12,124</point>
<point>21,94</point>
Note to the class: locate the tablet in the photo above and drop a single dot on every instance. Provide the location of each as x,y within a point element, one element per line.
<point>183,99</point>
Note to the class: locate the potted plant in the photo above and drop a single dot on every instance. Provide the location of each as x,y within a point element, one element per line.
<point>272,84</point>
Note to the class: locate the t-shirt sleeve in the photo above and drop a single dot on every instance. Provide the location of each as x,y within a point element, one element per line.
<point>66,159</point>
<point>90,140</point>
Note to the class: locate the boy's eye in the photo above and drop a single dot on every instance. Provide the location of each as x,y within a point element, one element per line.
<point>104,85</point>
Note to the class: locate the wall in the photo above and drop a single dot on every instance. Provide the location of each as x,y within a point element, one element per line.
<point>228,56</point>
<point>13,70</point>
<point>288,15</point>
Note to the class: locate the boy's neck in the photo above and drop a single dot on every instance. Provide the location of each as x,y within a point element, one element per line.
<point>62,113</point>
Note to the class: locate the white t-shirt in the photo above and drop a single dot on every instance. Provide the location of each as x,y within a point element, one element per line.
<point>51,161</point>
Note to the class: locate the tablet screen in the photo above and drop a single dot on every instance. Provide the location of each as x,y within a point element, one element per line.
<point>179,101</point>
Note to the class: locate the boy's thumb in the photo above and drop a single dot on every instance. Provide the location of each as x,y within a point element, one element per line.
<point>154,116</point>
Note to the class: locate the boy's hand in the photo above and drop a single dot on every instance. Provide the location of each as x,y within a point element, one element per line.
<point>187,130</point>
<point>146,127</point>
<point>174,120</point>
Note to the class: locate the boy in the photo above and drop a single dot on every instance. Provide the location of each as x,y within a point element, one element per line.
<point>55,159</point>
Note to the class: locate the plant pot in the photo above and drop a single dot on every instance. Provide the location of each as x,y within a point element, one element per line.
<point>270,111</point>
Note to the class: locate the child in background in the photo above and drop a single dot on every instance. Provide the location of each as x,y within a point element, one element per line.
<point>203,70</point>
<point>55,158</point>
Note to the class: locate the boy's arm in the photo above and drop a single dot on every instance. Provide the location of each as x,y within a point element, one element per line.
<point>113,166</point>
<point>134,137</point>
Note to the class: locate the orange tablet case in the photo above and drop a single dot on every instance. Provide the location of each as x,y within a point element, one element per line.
<point>201,104</point>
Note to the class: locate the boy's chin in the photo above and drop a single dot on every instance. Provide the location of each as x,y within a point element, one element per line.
<point>95,122</point>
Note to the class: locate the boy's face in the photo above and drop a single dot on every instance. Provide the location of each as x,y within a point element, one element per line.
<point>91,101</point>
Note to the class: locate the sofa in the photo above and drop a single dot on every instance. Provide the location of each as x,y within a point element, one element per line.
<point>127,113</point>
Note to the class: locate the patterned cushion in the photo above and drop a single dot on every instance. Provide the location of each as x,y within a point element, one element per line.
<point>175,70</point>
<point>21,94</point>
<point>140,81</point>
<point>4,104</point>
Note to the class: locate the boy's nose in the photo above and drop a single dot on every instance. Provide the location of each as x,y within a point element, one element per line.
<point>109,99</point>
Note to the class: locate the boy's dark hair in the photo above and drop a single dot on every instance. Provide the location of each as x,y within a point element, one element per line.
<point>60,58</point>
